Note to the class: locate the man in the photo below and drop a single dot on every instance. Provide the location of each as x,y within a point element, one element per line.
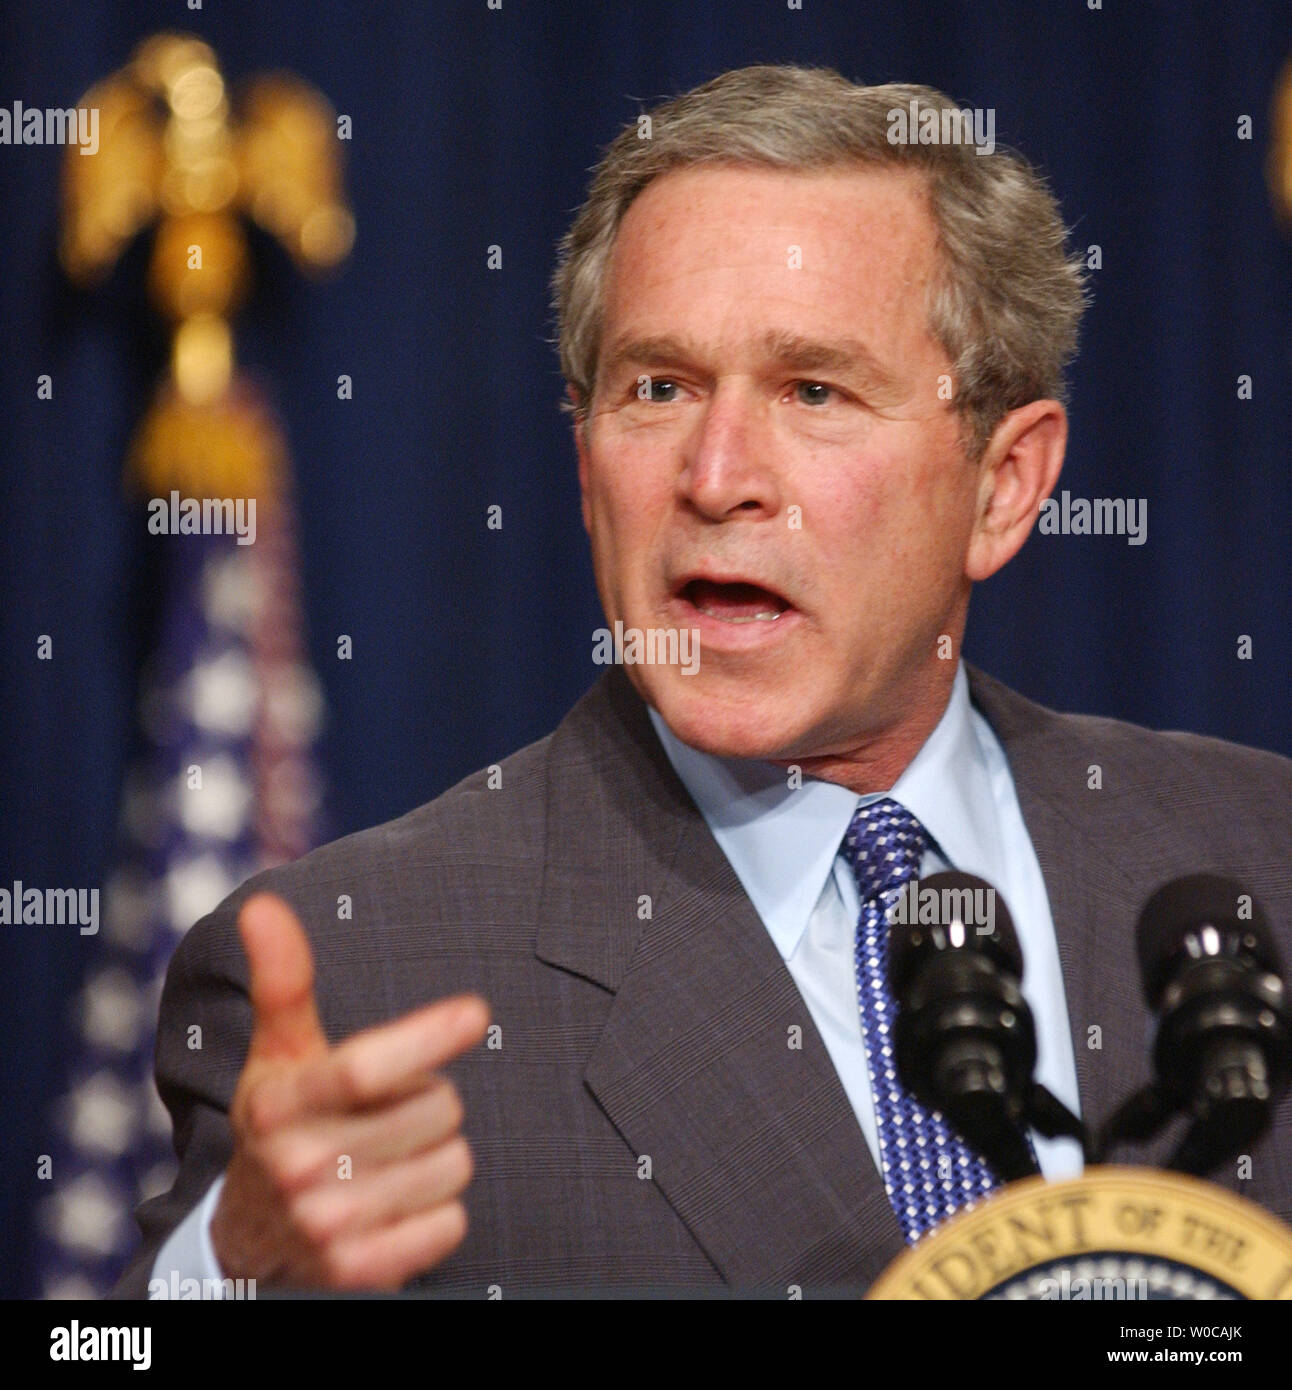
<point>816,380</point>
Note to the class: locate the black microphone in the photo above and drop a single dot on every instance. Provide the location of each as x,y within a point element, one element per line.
<point>1223,1050</point>
<point>964,1037</point>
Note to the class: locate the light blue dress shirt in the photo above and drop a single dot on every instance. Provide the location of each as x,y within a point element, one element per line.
<point>784,847</point>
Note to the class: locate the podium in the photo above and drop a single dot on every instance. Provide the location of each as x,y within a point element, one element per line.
<point>1114,1233</point>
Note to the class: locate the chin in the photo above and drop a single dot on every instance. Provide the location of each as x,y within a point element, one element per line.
<point>730,724</point>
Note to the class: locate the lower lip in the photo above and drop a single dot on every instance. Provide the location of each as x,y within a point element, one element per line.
<point>720,634</point>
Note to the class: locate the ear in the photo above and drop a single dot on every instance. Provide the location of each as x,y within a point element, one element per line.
<point>1018,471</point>
<point>580,446</point>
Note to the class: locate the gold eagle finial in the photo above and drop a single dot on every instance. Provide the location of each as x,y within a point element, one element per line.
<point>172,156</point>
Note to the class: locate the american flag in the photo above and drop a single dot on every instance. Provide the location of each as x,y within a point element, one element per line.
<point>223,782</point>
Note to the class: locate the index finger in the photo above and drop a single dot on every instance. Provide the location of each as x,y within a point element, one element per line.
<point>383,1063</point>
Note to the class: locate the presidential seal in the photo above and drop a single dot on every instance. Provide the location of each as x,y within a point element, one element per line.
<point>1113,1233</point>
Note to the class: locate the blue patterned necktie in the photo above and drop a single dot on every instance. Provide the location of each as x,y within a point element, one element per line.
<point>928,1169</point>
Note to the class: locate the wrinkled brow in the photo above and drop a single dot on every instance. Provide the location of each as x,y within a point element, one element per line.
<point>793,351</point>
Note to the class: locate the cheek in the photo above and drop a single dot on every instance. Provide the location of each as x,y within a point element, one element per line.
<point>887,526</point>
<point>855,507</point>
<point>628,481</point>
<point>626,498</point>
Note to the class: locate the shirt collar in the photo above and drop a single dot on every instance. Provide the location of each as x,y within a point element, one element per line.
<point>782,843</point>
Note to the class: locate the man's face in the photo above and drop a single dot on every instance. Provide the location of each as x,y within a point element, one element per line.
<point>793,486</point>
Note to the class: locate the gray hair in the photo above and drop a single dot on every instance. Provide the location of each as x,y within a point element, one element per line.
<point>1007,300</point>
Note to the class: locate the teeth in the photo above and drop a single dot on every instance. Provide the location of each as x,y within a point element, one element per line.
<point>765,617</point>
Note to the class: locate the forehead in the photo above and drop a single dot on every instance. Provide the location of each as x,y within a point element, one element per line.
<point>851,249</point>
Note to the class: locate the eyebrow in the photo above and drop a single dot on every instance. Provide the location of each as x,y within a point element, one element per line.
<point>848,356</point>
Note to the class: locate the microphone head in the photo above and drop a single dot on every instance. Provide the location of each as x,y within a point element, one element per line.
<point>946,912</point>
<point>1200,917</point>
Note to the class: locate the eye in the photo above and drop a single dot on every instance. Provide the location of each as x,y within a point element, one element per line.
<point>661,390</point>
<point>814,392</point>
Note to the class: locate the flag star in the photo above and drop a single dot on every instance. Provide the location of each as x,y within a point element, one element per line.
<point>231,593</point>
<point>194,886</point>
<point>218,809</point>
<point>71,1287</point>
<point>88,1214</point>
<point>101,1115</point>
<point>112,1010</point>
<point>221,694</point>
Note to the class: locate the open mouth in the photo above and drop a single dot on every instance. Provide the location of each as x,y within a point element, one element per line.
<point>736,602</point>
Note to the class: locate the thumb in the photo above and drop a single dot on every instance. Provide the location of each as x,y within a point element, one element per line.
<point>285,1023</point>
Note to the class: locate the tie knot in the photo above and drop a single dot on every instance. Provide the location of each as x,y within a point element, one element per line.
<point>884,844</point>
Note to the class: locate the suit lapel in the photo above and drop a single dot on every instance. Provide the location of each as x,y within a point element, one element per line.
<point>710,1065</point>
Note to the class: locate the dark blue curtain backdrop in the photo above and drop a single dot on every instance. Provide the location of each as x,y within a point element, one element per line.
<point>474,127</point>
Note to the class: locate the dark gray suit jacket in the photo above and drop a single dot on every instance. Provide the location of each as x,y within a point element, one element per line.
<point>625,1040</point>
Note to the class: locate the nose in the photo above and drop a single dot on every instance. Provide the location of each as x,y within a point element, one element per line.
<point>727,470</point>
